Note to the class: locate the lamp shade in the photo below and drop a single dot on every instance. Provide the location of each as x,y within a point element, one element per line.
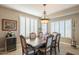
<point>44,21</point>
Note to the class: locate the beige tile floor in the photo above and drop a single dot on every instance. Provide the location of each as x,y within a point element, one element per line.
<point>64,48</point>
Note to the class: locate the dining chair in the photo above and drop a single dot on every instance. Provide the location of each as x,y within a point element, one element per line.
<point>56,41</point>
<point>32,35</point>
<point>46,35</point>
<point>48,45</point>
<point>26,48</point>
<point>40,35</point>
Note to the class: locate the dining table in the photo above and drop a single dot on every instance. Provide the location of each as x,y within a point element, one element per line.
<point>36,43</point>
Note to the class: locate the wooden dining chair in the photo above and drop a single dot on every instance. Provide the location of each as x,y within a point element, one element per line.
<point>40,35</point>
<point>46,35</point>
<point>48,44</point>
<point>56,41</point>
<point>26,48</point>
<point>32,35</point>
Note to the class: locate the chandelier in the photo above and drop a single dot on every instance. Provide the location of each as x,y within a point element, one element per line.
<point>44,20</point>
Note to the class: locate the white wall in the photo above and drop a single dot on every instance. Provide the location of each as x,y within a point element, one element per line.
<point>6,13</point>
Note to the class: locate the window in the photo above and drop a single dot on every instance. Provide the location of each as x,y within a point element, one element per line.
<point>44,28</point>
<point>68,28</point>
<point>36,26</point>
<point>27,25</point>
<point>22,25</point>
<point>52,27</point>
<point>33,25</point>
<point>56,27</point>
<point>63,27</point>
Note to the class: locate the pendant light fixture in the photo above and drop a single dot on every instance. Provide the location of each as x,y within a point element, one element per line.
<point>44,19</point>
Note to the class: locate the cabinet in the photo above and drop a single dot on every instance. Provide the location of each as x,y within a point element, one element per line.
<point>10,43</point>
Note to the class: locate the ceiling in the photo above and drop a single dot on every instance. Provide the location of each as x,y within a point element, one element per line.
<point>37,9</point>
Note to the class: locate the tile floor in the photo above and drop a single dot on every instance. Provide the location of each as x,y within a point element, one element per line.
<point>64,48</point>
